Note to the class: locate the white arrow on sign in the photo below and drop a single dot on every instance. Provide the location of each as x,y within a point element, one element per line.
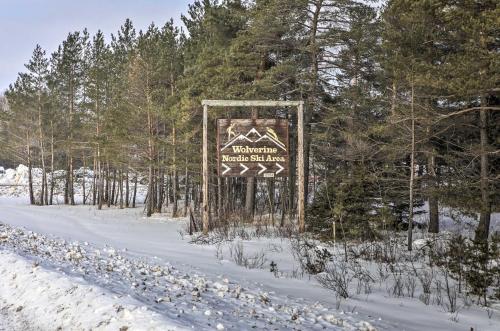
<point>245,168</point>
<point>226,168</point>
<point>262,168</point>
<point>281,168</point>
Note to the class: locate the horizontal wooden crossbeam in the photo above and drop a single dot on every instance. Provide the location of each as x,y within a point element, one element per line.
<point>251,103</point>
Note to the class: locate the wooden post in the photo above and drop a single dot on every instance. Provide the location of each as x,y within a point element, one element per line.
<point>300,165</point>
<point>205,170</point>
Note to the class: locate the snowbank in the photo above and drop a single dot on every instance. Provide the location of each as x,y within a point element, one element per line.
<point>18,176</point>
<point>14,182</point>
<point>50,300</point>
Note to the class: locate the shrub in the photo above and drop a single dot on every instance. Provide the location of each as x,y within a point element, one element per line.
<point>312,258</point>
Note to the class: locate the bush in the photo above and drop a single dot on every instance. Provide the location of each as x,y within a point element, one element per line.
<point>253,261</point>
<point>312,258</point>
<point>337,278</point>
<point>482,260</point>
<point>349,198</point>
<point>475,262</point>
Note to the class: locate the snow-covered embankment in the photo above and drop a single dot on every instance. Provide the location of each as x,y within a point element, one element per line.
<point>31,293</point>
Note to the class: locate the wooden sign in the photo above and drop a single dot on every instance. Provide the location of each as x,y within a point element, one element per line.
<point>252,148</point>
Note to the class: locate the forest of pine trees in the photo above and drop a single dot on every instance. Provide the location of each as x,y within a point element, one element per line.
<point>402,103</point>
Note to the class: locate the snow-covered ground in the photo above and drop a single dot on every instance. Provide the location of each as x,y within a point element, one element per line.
<point>127,270</point>
<point>158,242</point>
<point>186,295</point>
<point>33,297</point>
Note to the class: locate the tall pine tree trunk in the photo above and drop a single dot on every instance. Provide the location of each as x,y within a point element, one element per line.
<point>71,191</point>
<point>412,168</point>
<point>219,198</point>
<point>292,175</point>
<point>108,187</point>
<point>314,50</point>
<point>71,181</point>
<point>43,192</point>
<point>393,97</point>
<point>83,180</point>
<point>100,180</point>
<point>175,183</point>
<point>134,195</point>
<point>160,188</point>
<point>483,228</point>
<point>150,193</point>
<point>151,189</point>
<point>270,185</point>
<point>121,189</point>
<point>149,202</point>
<point>186,189</point>
<point>66,185</point>
<point>113,189</point>
<point>94,180</point>
<point>52,180</point>
<point>127,189</point>
<point>251,182</point>
<point>284,187</point>
<point>30,177</point>
<point>433,199</point>
<point>432,186</point>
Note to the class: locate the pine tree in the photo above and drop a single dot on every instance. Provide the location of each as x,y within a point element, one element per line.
<point>171,68</point>
<point>96,91</point>
<point>23,122</point>
<point>346,140</point>
<point>37,76</point>
<point>472,68</point>
<point>413,58</point>
<point>67,62</point>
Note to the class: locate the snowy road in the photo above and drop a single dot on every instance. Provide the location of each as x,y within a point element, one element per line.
<point>160,239</point>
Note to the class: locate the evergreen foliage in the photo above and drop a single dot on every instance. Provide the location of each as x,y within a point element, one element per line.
<point>402,109</point>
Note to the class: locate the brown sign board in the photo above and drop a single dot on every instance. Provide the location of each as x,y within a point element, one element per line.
<point>252,148</point>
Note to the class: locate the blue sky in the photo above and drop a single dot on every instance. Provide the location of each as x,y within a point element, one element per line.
<point>24,23</point>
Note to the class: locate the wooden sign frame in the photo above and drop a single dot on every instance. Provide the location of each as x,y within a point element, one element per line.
<point>300,150</point>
